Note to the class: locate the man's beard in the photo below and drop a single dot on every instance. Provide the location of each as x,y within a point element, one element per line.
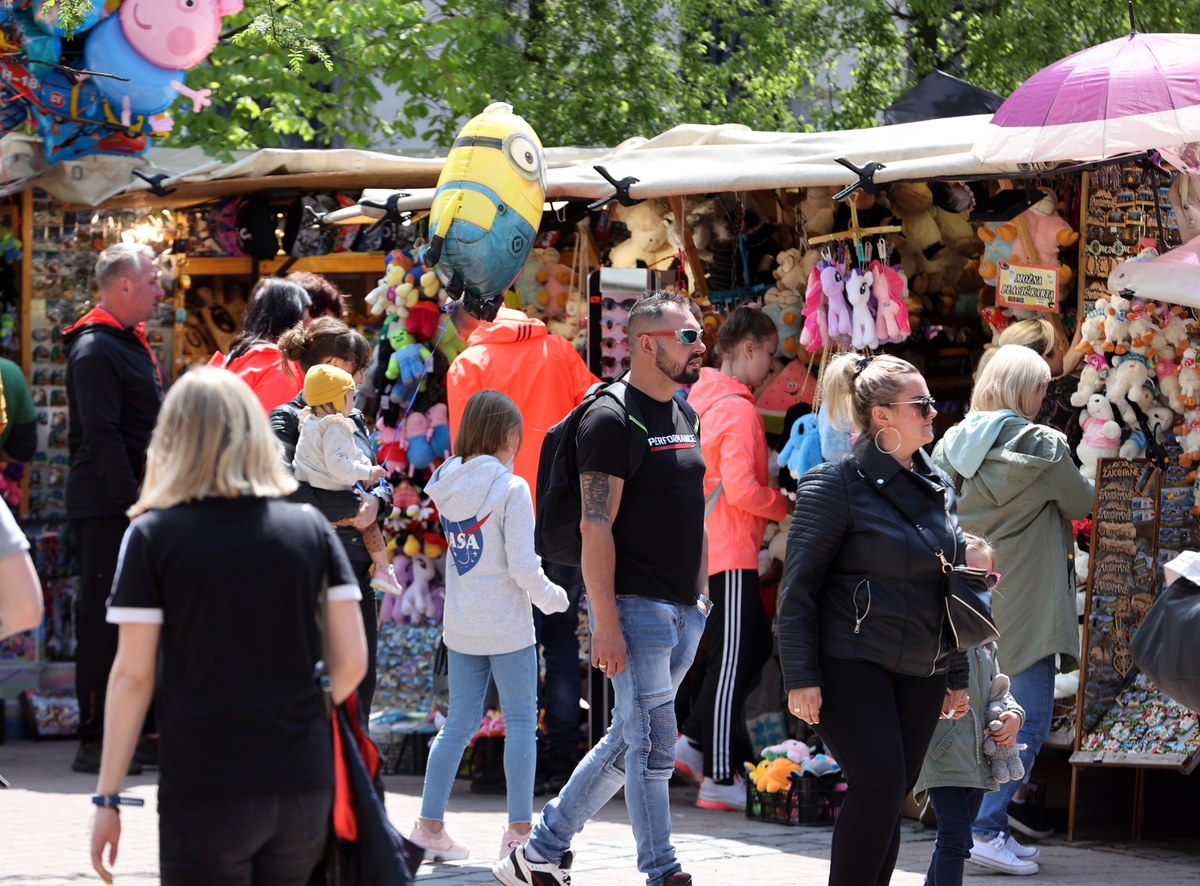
<point>680,373</point>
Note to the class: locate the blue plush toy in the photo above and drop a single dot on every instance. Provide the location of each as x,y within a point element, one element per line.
<point>835,443</point>
<point>803,448</point>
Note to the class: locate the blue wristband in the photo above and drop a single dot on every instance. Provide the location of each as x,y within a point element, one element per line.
<point>112,801</point>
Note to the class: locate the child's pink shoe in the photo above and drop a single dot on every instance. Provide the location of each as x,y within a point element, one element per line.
<point>438,847</point>
<point>386,582</point>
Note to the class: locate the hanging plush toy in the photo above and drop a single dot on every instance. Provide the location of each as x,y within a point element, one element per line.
<point>815,319</point>
<point>833,283</point>
<point>487,208</point>
<point>858,294</point>
<point>891,315</point>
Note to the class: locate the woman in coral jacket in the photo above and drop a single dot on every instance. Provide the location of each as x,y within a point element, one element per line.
<point>738,504</point>
<point>276,305</point>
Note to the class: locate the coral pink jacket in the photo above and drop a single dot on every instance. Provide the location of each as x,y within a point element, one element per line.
<point>734,445</point>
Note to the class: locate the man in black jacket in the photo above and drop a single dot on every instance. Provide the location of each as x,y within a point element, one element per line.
<point>114,391</point>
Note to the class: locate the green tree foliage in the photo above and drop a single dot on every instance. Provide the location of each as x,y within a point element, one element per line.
<point>291,72</point>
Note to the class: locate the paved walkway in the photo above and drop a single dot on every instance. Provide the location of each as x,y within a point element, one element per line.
<point>45,823</point>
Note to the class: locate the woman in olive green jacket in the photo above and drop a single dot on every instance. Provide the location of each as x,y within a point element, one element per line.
<point>1020,490</point>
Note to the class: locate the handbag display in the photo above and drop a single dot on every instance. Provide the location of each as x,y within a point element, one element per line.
<point>1166,645</point>
<point>968,591</point>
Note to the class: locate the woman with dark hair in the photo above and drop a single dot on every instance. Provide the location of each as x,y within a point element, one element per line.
<point>276,305</point>
<point>865,659</point>
<point>738,504</point>
<point>332,342</point>
<point>327,299</point>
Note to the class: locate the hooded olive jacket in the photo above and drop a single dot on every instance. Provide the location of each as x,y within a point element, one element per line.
<point>1020,490</point>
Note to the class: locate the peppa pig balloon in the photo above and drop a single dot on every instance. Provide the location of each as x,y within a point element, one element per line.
<point>152,42</point>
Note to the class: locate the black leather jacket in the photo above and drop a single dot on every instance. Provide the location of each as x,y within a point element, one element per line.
<point>858,582</point>
<point>334,504</point>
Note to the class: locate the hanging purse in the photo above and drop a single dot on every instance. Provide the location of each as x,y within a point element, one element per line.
<point>1164,645</point>
<point>967,591</point>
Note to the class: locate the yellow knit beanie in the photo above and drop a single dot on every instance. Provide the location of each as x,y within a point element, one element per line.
<point>327,384</point>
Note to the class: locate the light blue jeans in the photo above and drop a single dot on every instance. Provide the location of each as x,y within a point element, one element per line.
<point>1033,689</point>
<point>515,674</point>
<point>638,752</point>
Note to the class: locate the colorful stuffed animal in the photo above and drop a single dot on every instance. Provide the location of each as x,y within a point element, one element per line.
<point>416,432</point>
<point>417,602</point>
<point>891,316</point>
<point>1159,419</point>
<point>410,361</point>
<point>783,307</point>
<point>1101,434</point>
<point>1125,384</point>
<point>796,751</point>
<point>1004,760</point>
<point>998,239</point>
<point>833,284</point>
<point>803,448</point>
<point>815,319</point>
<point>1116,325</point>
<point>1050,232</point>
<point>1092,378</point>
<point>649,240</point>
<point>1189,379</point>
<point>858,294</point>
<point>439,430</point>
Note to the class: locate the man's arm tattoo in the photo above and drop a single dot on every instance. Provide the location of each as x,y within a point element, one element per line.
<point>595,496</point>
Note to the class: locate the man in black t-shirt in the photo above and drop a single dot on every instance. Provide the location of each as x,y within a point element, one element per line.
<point>645,573</point>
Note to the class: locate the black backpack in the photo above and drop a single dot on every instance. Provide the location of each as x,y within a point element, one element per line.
<point>556,532</point>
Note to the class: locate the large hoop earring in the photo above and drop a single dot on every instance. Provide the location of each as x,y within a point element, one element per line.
<point>894,449</point>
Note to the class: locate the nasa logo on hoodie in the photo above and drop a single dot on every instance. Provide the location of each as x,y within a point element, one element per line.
<point>465,540</point>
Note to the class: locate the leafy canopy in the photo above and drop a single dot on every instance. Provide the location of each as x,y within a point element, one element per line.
<point>292,72</point>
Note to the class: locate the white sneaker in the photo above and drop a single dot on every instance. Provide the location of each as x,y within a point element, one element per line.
<point>1028,853</point>
<point>689,760</point>
<point>995,855</point>
<point>728,797</point>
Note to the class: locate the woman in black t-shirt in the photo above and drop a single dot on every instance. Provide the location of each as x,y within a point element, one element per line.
<point>218,587</point>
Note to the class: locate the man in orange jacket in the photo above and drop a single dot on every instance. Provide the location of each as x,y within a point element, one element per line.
<point>545,376</point>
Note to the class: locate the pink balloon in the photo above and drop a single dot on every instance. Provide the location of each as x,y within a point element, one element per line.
<point>175,34</point>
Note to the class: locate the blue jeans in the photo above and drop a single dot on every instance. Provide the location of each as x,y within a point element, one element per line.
<point>956,809</point>
<point>1033,689</point>
<point>560,649</point>
<point>515,674</point>
<point>638,752</point>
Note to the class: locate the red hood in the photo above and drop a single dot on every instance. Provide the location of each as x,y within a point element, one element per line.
<point>99,316</point>
<point>509,326</point>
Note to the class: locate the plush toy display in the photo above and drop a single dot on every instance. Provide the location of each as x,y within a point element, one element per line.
<point>1160,419</point>
<point>783,307</point>
<point>891,314</point>
<point>816,329</point>
<point>816,210</point>
<point>409,363</point>
<point>1005,761</point>
<point>833,283</point>
<point>998,240</point>
<point>1050,233</point>
<point>1101,434</point>
<point>1126,385</point>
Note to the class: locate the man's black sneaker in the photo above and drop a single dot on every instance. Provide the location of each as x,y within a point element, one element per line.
<point>87,760</point>
<point>1026,818</point>
<point>517,870</point>
<point>680,879</point>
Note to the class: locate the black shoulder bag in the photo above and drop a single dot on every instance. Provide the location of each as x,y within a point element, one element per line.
<point>968,591</point>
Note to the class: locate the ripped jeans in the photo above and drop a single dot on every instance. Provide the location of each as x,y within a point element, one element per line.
<point>638,752</point>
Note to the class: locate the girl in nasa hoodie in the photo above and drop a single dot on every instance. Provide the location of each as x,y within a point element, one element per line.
<point>492,578</point>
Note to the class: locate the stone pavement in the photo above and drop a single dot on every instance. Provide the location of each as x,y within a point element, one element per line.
<point>45,823</point>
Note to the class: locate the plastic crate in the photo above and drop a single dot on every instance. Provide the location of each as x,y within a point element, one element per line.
<point>808,802</point>
<point>404,753</point>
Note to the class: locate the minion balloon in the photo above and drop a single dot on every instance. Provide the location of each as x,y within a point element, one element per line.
<point>487,208</point>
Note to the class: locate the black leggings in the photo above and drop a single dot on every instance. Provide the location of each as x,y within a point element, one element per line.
<point>738,635</point>
<point>877,725</point>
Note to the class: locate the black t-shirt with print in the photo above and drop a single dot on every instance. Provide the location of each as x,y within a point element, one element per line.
<point>660,524</point>
<point>235,584</point>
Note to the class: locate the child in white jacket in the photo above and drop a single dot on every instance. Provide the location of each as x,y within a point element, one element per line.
<point>492,578</point>
<point>328,458</point>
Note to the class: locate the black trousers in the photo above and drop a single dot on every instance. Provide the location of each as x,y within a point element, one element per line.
<point>97,544</point>
<point>272,839</point>
<point>877,725</point>
<point>370,616</point>
<point>738,639</point>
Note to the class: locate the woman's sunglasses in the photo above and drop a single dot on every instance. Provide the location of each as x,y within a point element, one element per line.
<point>926,404</point>
<point>610,304</point>
<point>686,337</point>
<point>610,362</point>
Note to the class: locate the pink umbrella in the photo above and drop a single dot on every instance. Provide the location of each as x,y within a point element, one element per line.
<point>1136,93</point>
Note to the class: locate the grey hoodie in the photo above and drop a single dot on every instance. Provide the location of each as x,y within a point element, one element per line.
<point>492,572</point>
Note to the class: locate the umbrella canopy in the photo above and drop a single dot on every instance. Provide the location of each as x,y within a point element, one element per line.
<point>1136,93</point>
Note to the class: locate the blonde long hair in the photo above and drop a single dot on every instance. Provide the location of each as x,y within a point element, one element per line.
<point>211,440</point>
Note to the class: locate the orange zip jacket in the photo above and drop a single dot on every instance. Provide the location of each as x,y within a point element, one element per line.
<point>542,373</point>
<point>734,444</point>
<point>262,368</point>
